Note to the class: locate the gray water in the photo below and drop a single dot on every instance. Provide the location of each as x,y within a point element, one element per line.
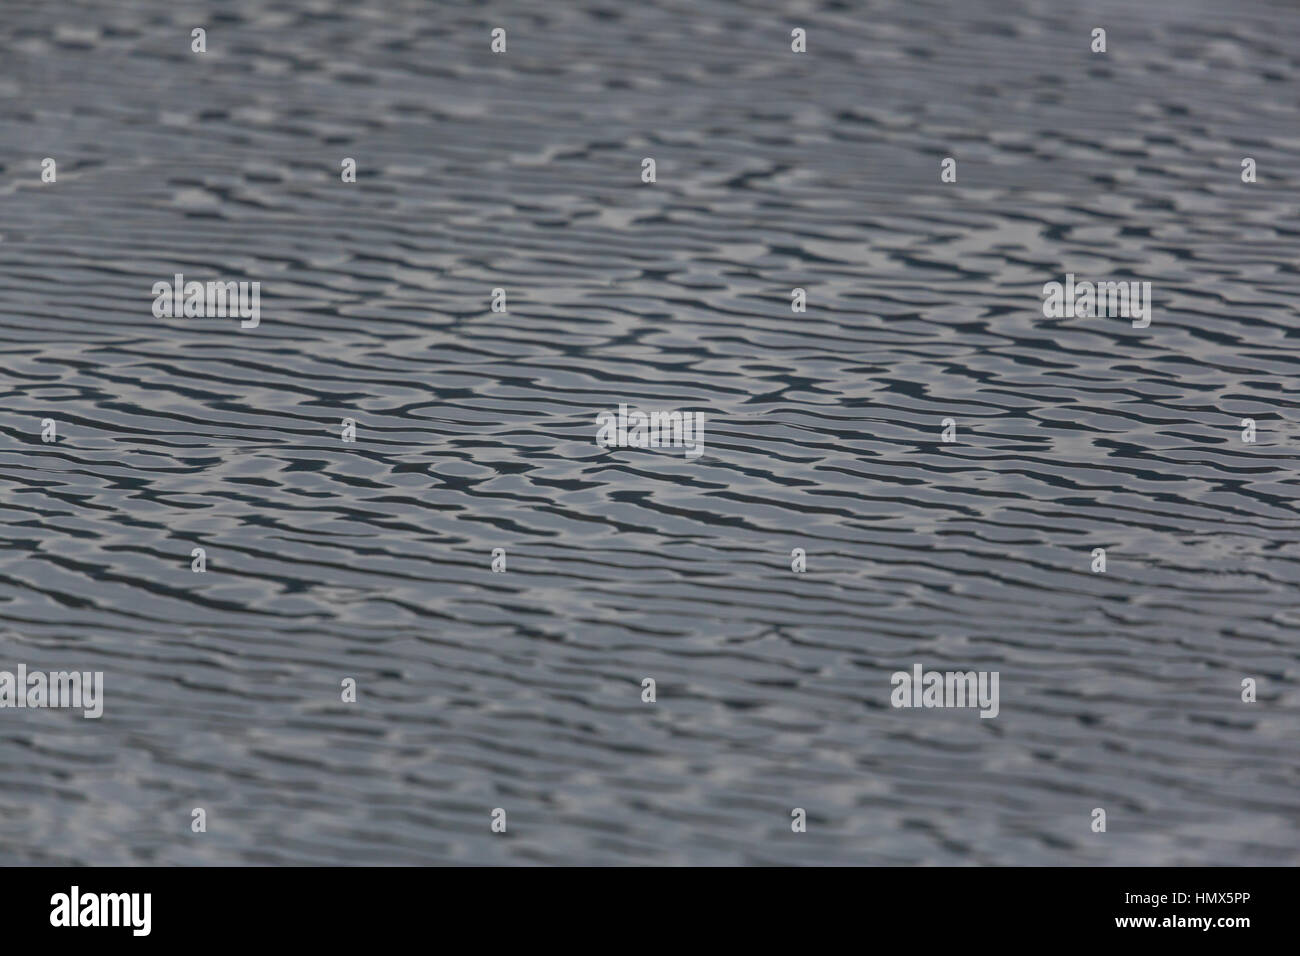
<point>522,690</point>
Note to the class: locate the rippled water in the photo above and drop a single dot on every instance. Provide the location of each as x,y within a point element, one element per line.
<point>476,431</point>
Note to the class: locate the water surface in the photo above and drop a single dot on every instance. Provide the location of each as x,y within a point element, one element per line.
<point>522,690</point>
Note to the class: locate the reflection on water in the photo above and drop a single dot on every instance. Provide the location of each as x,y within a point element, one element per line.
<point>475,430</point>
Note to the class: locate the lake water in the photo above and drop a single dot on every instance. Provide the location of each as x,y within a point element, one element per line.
<point>475,430</point>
